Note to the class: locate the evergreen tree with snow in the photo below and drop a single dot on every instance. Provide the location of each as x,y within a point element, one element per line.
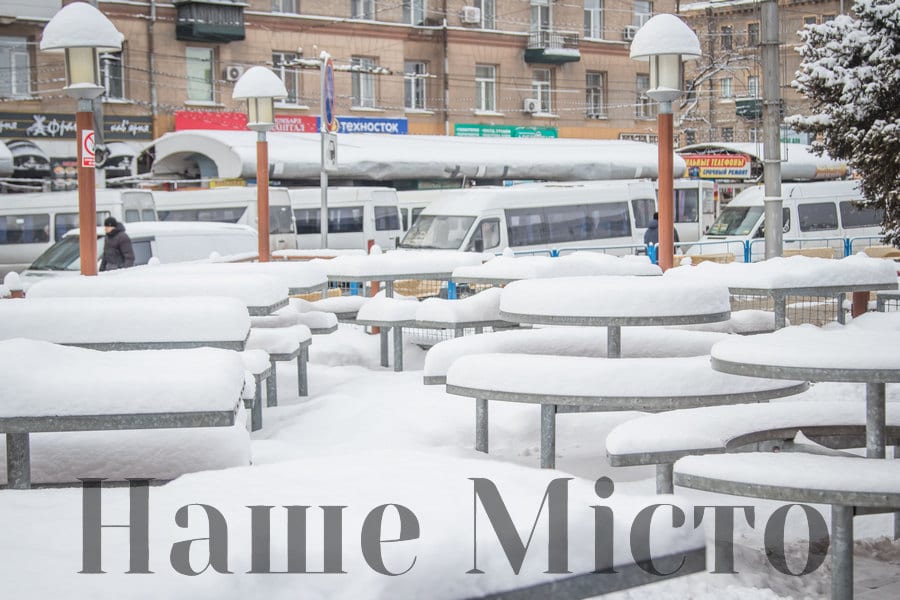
<point>850,72</point>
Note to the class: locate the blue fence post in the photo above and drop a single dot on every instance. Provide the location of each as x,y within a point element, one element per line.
<point>848,246</point>
<point>354,288</point>
<point>554,253</point>
<point>747,251</point>
<point>651,252</point>
<point>451,290</point>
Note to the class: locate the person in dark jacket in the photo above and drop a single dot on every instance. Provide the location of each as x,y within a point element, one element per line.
<point>651,236</point>
<point>117,250</point>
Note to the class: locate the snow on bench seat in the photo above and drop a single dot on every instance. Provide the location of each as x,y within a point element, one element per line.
<point>128,323</point>
<point>338,304</point>
<point>637,342</point>
<point>297,277</point>
<point>483,307</point>
<point>508,267</point>
<point>318,322</point>
<point>258,366</point>
<point>259,293</point>
<point>388,311</point>
<point>283,344</point>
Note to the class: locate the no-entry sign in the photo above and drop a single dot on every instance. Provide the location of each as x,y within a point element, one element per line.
<point>87,147</point>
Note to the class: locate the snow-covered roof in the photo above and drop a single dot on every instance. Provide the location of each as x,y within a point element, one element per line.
<point>798,162</point>
<point>388,157</point>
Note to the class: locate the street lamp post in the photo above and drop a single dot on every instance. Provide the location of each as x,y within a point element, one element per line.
<point>260,87</point>
<point>82,32</point>
<point>665,41</point>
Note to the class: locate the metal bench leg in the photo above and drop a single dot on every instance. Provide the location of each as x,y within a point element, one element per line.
<point>780,302</point>
<point>398,348</point>
<point>875,419</point>
<point>256,411</point>
<point>841,553</point>
<point>841,317</point>
<point>548,436</point>
<point>384,346</point>
<point>613,341</point>
<point>272,387</point>
<point>481,425</point>
<point>664,478</point>
<point>302,372</point>
<point>18,461</point>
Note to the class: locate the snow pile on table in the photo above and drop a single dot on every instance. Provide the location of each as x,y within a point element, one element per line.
<point>132,320</point>
<point>876,321</point>
<point>336,304</point>
<point>792,272</point>
<point>577,264</point>
<point>388,309</point>
<point>290,315</point>
<point>602,377</point>
<point>400,263</point>
<point>252,290</point>
<point>310,253</point>
<point>255,361</point>
<point>806,346</point>
<point>637,342</point>
<point>483,306</point>
<point>615,296</point>
<point>293,275</point>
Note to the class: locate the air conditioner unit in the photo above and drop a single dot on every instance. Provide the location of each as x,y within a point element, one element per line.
<point>532,105</point>
<point>470,15</point>
<point>629,32</point>
<point>233,72</point>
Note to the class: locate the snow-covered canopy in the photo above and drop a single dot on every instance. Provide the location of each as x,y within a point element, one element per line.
<point>577,264</point>
<point>390,157</point>
<point>798,162</point>
<point>259,82</point>
<point>665,34</point>
<point>80,25</point>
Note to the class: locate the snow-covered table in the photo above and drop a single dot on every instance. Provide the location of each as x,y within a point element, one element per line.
<point>298,278</point>
<point>507,268</point>
<point>614,301</point>
<point>47,388</point>
<point>582,384</point>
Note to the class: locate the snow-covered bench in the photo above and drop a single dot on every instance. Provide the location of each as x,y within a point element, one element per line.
<point>343,307</point>
<point>319,323</point>
<point>663,438</point>
<point>580,384</point>
<point>128,323</point>
<point>851,485</point>
<point>52,388</point>
<point>283,344</point>
<point>259,367</point>
<point>637,342</point>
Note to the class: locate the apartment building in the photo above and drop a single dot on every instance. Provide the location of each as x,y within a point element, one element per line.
<point>724,101</point>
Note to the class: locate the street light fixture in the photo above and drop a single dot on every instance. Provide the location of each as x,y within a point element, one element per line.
<point>260,87</point>
<point>82,32</point>
<point>665,41</point>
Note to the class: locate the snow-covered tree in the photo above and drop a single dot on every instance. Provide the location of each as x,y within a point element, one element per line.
<point>851,74</point>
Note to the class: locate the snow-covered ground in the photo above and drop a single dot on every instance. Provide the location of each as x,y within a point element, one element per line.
<point>368,436</point>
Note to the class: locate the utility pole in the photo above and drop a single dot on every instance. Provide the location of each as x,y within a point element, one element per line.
<point>771,128</point>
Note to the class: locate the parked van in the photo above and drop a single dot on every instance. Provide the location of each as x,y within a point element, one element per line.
<point>816,213</point>
<point>357,217</point>
<point>413,202</point>
<point>236,205</point>
<point>536,217</point>
<point>169,242</point>
<point>31,223</point>
<point>695,208</point>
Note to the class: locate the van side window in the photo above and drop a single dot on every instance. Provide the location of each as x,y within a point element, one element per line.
<point>609,220</point>
<point>345,219</point>
<point>387,218</point>
<point>63,222</point>
<point>687,206</point>
<point>307,220</point>
<point>559,224</point>
<point>142,252</point>
<point>25,229</point>
<point>856,214</point>
<point>821,216</point>
<point>214,215</point>
<point>488,233</point>
<point>132,215</point>
<point>148,214</point>
<point>526,227</point>
<point>643,211</point>
<point>415,214</point>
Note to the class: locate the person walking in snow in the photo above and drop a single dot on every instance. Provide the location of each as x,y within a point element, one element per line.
<point>117,250</point>
<point>651,236</point>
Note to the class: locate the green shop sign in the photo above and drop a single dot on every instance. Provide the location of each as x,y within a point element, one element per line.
<point>515,131</point>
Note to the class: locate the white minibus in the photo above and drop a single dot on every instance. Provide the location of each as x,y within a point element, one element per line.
<point>537,217</point>
<point>821,213</point>
<point>30,223</point>
<point>357,217</point>
<point>236,205</point>
<point>695,208</point>
<point>413,202</point>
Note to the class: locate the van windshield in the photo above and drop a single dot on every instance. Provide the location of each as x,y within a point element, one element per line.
<point>64,255</point>
<point>441,232</point>
<point>736,220</point>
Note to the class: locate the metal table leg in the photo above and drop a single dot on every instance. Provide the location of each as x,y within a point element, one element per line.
<point>302,371</point>
<point>548,436</point>
<point>272,387</point>
<point>256,412</point>
<point>665,479</point>
<point>398,348</point>
<point>841,553</point>
<point>481,425</point>
<point>780,302</point>
<point>875,427</point>
<point>613,341</point>
<point>18,461</point>
<point>384,346</point>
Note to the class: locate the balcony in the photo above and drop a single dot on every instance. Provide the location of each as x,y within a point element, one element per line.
<point>552,47</point>
<point>213,21</point>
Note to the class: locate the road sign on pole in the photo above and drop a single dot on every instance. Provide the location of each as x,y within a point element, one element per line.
<point>87,148</point>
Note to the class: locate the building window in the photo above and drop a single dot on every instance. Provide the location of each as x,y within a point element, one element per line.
<point>541,88</point>
<point>726,84</point>
<point>727,37</point>
<point>728,134</point>
<point>488,13</point>
<point>828,18</point>
<point>690,136</point>
<point>753,86</point>
<point>414,85</point>
<point>812,20</point>
<point>111,75</point>
<point>199,74</point>
<point>643,10</point>
<point>363,81</point>
<point>645,109</point>
<point>541,19</point>
<point>593,19</point>
<point>286,6</point>
<point>362,9</point>
<point>414,12</point>
<point>595,94</point>
<point>753,34</point>
<point>282,65</point>
<point>486,88</point>
<point>15,68</point>
<point>753,135</point>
